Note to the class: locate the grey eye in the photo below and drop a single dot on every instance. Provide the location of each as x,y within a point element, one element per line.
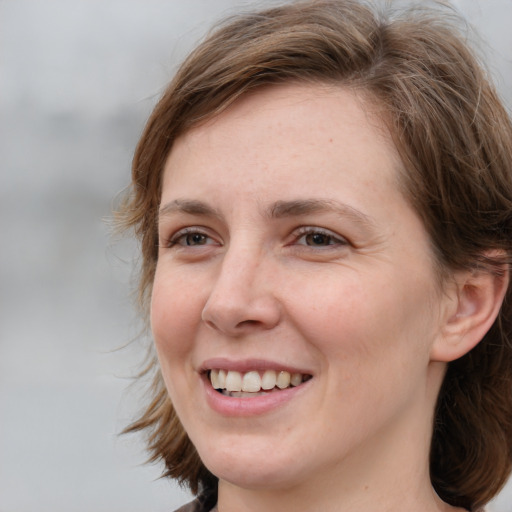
<point>195,239</point>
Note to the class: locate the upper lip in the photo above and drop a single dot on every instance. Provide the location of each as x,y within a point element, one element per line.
<point>246,365</point>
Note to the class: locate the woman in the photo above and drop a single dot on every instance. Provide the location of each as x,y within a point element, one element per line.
<point>323,197</point>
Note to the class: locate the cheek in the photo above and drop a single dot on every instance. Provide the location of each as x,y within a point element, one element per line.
<point>176,309</point>
<point>378,323</point>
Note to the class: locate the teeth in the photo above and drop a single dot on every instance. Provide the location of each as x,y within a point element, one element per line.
<point>268,380</point>
<point>214,379</point>
<point>218,379</point>
<point>234,381</point>
<point>296,379</point>
<point>252,383</point>
<point>222,379</point>
<point>283,380</point>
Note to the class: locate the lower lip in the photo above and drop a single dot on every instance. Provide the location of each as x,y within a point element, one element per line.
<point>250,406</point>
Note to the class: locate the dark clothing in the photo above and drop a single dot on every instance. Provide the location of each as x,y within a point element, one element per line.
<point>203,503</point>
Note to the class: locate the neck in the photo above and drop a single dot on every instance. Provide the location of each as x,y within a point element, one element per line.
<point>362,500</point>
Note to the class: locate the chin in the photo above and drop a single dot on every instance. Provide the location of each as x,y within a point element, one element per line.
<point>251,469</point>
<point>256,478</point>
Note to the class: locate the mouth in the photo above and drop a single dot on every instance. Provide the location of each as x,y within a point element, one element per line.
<point>254,383</point>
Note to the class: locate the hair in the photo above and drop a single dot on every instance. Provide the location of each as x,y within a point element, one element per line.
<point>454,137</point>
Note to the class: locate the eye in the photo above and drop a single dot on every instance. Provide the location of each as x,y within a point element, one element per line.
<point>315,237</point>
<point>190,237</point>
<point>193,239</point>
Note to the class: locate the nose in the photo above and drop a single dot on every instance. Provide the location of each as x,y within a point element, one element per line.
<point>243,299</point>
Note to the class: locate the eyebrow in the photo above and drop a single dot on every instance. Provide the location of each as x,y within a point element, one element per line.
<point>280,209</point>
<point>189,206</point>
<point>300,207</point>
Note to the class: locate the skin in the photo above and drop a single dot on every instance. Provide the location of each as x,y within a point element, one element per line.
<point>345,291</point>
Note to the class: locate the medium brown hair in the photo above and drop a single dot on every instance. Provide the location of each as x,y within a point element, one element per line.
<point>455,140</point>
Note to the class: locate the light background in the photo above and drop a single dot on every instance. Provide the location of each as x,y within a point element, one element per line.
<point>77,80</point>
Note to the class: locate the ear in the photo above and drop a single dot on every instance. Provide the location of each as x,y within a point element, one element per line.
<point>472,305</point>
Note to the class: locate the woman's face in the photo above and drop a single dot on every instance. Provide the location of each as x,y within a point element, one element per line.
<point>287,248</point>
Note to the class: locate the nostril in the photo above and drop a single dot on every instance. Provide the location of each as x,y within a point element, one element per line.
<point>238,326</point>
<point>248,323</point>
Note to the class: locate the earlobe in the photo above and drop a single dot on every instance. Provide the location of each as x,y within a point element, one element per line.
<point>474,304</point>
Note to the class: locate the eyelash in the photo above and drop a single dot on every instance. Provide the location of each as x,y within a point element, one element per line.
<point>302,232</point>
<point>182,234</point>
<point>333,239</point>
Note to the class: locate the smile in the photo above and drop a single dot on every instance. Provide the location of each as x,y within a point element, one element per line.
<point>254,383</point>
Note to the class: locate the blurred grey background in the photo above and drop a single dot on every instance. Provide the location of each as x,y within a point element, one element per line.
<point>77,80</point>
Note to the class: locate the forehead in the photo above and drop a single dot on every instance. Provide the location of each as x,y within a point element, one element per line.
<point>287,126</point>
